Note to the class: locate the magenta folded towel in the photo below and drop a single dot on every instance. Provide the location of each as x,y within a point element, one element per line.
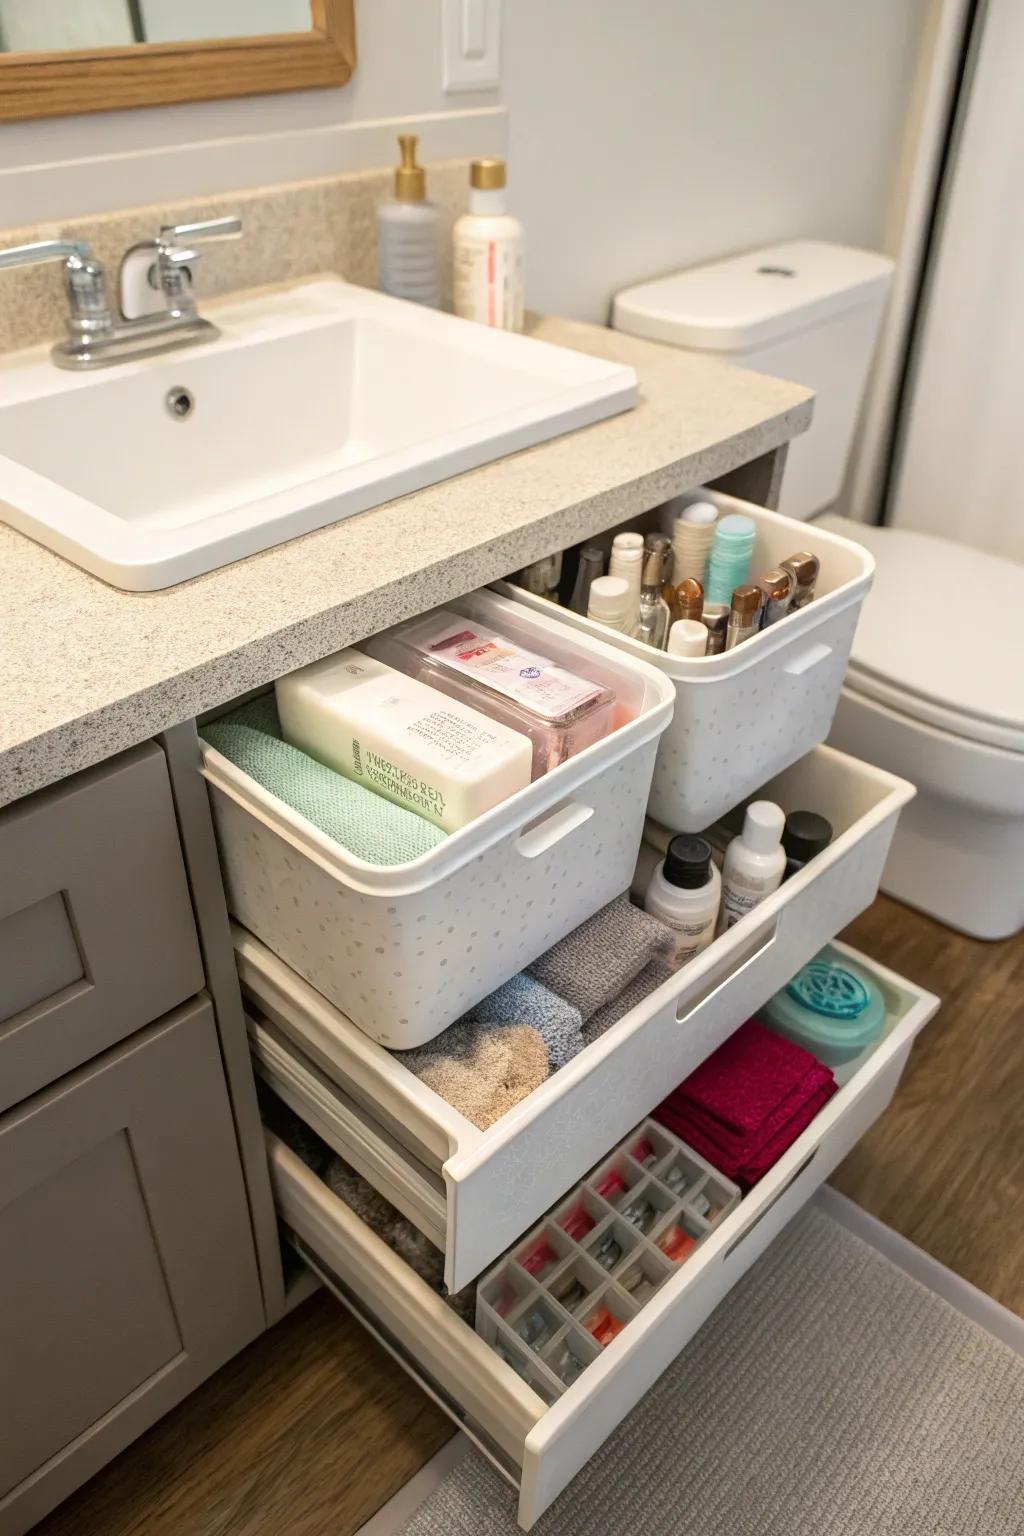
<point>748,1102</point>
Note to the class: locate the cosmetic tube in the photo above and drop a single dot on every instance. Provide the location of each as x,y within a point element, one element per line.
<point>744,616</point>
<point>654,617</point>
<point>778,588</point>
<point>591,566</point>
<point>715,619</point>
<point>542,577</point>
<point>687,599</point>
<point>805,569</point>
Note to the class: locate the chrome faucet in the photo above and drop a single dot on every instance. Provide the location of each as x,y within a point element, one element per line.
<point>158,308</point>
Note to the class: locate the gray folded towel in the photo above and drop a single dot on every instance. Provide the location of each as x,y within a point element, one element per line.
<point>594,964</point>
<point>639,989</point>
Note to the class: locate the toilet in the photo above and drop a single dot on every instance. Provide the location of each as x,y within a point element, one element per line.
<point>935,687</point>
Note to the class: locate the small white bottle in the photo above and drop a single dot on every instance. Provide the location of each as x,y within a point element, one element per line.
<point>627,561</point>
<point>687,637</point>
<point>609,603</point>
<point>755,862</point>
<point>409,234</point>
<point>488,253</point>
<point>685,893</point>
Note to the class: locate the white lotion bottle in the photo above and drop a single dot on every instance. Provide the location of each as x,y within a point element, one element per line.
<point>488,253</point>
<point>755,862</point>
<point>685,893</point>
<point>409,234</point>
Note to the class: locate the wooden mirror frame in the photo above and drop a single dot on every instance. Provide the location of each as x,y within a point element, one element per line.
<point>36,85</point>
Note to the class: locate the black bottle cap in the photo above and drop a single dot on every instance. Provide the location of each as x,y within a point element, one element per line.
<point>805,835</point>
<point>688,862</point>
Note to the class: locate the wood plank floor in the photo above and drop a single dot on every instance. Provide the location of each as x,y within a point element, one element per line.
<point>313,1428</point>
<point>945,1164</point>
<point>306,1433</point>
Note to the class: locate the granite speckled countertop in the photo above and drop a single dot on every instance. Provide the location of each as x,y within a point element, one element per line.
<point>86,671</point>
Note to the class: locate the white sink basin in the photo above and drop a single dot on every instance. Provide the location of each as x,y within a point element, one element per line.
<point>314,403</point>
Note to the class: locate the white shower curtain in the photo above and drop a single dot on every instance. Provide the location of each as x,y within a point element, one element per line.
<point>959,468</point>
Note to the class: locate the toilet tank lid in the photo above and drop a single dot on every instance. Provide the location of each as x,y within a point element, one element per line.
<point>940,631</point>
<point>749,300</point>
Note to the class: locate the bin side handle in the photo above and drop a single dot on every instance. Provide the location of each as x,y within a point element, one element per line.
<point>804,660</point>
<point>540,836</point>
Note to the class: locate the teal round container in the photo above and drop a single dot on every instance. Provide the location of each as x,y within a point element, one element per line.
<point>833,1009</point>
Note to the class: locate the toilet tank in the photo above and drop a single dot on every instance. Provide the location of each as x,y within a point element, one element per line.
<point>806,311</point>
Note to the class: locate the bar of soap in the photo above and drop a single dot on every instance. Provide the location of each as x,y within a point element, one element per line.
<point>400,737</point>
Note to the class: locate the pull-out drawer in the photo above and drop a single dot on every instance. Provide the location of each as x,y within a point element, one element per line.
<point>474,1191</point>
<point>542,1446</point>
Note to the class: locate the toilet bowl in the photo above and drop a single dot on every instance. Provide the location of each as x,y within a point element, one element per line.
<point>935,693</point>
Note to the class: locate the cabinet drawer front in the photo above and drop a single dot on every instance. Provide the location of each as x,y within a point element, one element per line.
<point>473,1192</point>
<point>549,1445</point>
<point>97,936</point>
<point>128,1270</point>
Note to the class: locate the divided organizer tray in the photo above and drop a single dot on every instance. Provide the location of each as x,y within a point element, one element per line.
<point>574,1282</point>
<point>748,713</point>
<point>405,950</point>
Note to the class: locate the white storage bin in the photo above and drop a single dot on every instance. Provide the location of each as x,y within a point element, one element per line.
<point>750,712</point>
<point>542,1446</point>
<point>473,1192</point>
<point>405,950</point>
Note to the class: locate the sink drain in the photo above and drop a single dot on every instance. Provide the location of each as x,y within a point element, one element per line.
<point>180,402</point>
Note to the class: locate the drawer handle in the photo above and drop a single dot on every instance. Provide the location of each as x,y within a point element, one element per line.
<point>544,834</point>
<point>808,1160</point>
<point>803,662</point>
<point>759,943</point>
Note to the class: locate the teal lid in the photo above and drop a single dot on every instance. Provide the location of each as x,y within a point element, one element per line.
<point>830,1007</point>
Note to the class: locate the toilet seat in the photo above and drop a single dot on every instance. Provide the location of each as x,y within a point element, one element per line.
<point>940,636</point>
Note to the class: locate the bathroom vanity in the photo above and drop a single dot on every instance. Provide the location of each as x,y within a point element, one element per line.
<point>139,1196</point>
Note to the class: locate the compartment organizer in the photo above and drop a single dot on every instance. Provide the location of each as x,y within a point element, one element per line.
<point>474,1192</point>
<point>750,712</point>
<point>538,1443</point>
<point>405,950</point>
<point>573,1283</point>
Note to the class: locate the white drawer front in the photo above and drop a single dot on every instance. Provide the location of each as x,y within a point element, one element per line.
<point>486,1187</point>
<point>549,1445</point>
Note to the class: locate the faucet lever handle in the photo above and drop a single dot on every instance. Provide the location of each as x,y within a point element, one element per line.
<point>44,250</point>
<point>207,229</point>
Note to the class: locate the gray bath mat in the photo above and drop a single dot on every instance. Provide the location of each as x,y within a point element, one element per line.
<point>829,1395</point>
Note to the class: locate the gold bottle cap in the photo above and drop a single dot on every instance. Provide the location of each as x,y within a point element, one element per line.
<point>805,567</point>
<point>746,600</point>
<point>410,178</point>
<point>487,175</point>
<point>689,597</point>
<point>777,585</point>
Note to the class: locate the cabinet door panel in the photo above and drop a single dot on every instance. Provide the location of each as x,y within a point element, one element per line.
<point>128,1271</point>
<point>97,935</point>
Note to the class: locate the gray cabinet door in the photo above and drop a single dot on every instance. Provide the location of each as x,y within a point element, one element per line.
<point>127,1267</point>
<point>97,935</point>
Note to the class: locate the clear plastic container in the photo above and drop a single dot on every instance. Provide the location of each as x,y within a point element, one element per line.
<point>560,711</point>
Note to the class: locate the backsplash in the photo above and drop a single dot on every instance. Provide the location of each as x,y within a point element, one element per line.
<point>290,231</point>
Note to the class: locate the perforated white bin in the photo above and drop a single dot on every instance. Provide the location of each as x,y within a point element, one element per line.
<point>749,713</point>
<point>405,950</point>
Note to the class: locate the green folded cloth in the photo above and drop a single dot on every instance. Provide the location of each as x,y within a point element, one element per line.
<point>364,823</point>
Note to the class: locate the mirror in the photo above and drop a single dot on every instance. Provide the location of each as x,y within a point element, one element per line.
<point>64,56</point>
<point>46,26</point>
